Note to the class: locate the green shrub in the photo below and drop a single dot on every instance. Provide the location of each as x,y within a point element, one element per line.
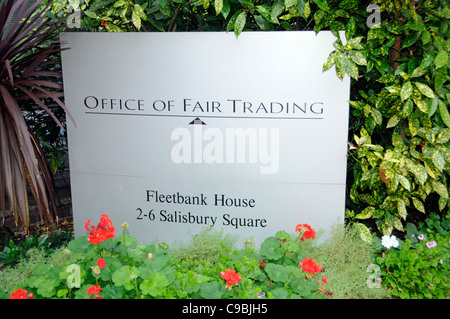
<point>399,123</point>
<point>102,266</point>
<point>15,275</point>
<point>419,267</point>
<point>349,266</point>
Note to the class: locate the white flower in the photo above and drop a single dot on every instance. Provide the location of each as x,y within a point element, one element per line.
<point>389,241</point>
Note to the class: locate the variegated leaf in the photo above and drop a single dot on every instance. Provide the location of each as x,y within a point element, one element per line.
<point>364,232</point>
<point>424,89</point>
<point>404,182</point>
<point>366,213</point>
<point>440,189</point>
<point>396,222</point>
<point>418,205</point>
<point>401,208</point>
<point>418,170</point>
<point>438,160</point>
<point>406,91</point>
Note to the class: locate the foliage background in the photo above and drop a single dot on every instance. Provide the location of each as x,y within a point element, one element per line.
<point>398,168</point>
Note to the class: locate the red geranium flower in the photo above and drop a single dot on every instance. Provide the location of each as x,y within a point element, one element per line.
<point>310,266</point>
<point>101,263</point>
<point>231,277</point>
<point>21,294</point>
<point>105,230</point>
<point>94,290</point>
<point>305,231</point>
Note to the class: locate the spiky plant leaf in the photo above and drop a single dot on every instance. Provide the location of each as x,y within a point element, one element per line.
<point>28,56</point>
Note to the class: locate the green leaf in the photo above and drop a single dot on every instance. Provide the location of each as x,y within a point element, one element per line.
<point>301,6</point>
<point>410,39</point>
<point>414,124</point>
<point>440,76</point>
<point>226,8</point>
<point>377,116</point>
<point>136,19</point>
<point>397,223</point>
<point>443,137</point>
<point>240,23</point>
<point>364,232</point>
<point>155,285</point>
<point>432,106</point>
<point>218,5</point>
<point>113,28</point>
<point>348,4</point>
<point>424,89</point>
<point>127,240</point>
<point>438,160</point>
<point>354,43</point>
<point>113,292</point>
<point>366,213</point>
<point>445,115</point>
<point>123,276</point>
<point>440,189</point>
<point>418,170</point>
<point>47,287</point>
<point>213,290</point>
<point>393,121</point>
<point>350,28</point>
<point>279,293</point>
<point>406,91</point>
<point>266,13</point>
<point>387,224</point>
<point>119,3</point>
<point>441,59</point>
<point>270,248</point>
<point>277,272</point>
<point>329,62</point>
<point>140,12</point>
<point>421,104</point>
<point>79,245</point>
<point>349,66</point>
<point>262,23</point>
<point>277,9</point>
<point>290,3</point>
<point>401,208</point>
<point>358,58</point>
<point>404,182</point>
<point>418,205</point>
<point>418,72</point>
<point>322,4</point>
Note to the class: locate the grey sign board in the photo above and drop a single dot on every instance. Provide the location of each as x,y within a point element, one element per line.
<point>175,132</point>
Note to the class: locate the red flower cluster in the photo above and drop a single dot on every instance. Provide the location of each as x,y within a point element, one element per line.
<point>310,266</point>
<point>101,263</point>
<point>21,294</point>
<point>95,290</point>
<point>105,230</point>
<point>305,231</point>
<point>231,277</point>
<point>104,23</point>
